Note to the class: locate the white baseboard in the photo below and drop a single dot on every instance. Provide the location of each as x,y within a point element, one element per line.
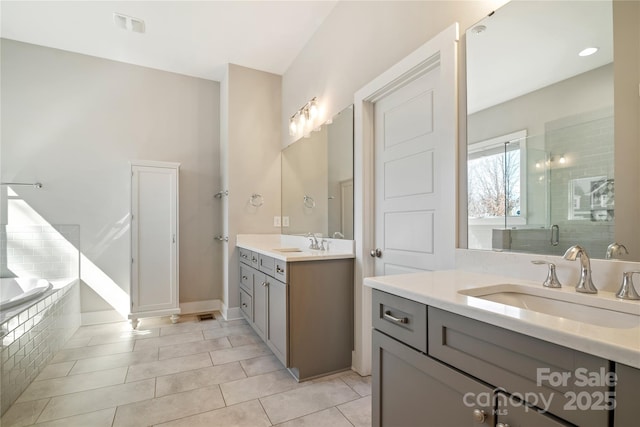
<point>200,306</point>
<point>98,317</point>
<point>231,313</point>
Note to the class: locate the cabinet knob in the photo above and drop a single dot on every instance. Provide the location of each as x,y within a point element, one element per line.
<point>244,277</point>
<point>265,283</point>
<point>502,425</point>
<point>479,416</point>
<point>375,253</point>
<point>244,304</point>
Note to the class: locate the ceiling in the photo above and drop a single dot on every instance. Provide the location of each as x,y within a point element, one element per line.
<point>195,38</point>
<point>528,45</point>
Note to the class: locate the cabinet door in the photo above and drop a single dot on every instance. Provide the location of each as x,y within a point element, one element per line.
<point>411,389</point>
<point>154,234</point>
<point>260,303</point>
<point>277,325</point>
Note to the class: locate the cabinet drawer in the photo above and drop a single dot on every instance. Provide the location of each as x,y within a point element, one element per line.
<point>401,318</point>
<point>246,279</point>
<point>245,256</point>
<point>280,271</point>
<point>245,304</point>
<point>518,363</point>
<point>267,264</point>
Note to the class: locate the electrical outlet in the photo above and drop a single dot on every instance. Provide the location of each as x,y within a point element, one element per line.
<point>276,221</point>
<point>285,221</point>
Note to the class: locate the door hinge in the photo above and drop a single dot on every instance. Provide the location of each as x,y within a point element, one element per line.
<point>131,260</point>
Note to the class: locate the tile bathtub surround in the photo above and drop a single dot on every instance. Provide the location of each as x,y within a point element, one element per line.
<point>42,251</point>
<point>33,337</point>
<point>209,373</point>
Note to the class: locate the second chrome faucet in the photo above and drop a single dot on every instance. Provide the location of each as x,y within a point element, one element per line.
<point>585,283</point>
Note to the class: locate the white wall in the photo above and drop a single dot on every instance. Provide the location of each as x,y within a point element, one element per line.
<point>73,122</point>
<point>250,143</point>
<point>361,39</point>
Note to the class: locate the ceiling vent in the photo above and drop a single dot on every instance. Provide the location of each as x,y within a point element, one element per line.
<point>128,23</point>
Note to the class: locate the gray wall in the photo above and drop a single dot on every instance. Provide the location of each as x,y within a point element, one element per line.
<point>74,122</point>
<point>250,163</point>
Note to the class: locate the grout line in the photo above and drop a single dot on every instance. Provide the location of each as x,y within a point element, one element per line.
<point>265,411</point>
<point>344,415</point>
<point>43,408</point>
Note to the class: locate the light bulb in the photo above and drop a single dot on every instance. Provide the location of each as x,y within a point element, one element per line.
<point>562,160</point>
<point>292,126</point>
<point>301,120</point>
<point>313,109</point>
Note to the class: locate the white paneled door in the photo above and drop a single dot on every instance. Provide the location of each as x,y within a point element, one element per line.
<point>413,199</point>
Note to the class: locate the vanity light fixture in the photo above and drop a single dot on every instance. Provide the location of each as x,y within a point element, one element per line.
<point>588,51</point>
<point>303,121</point>
<point>562,160</point>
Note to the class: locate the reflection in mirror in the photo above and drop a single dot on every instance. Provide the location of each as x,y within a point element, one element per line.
<point>540,129</point>
<point>317,181</point>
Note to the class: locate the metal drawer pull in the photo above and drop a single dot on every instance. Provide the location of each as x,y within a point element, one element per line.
<point>388,316</point>
<point>244,256</point>
<point>244,277</point>
<point>502,425</point>
<point>244,304</point>
<point>479,416</point>
<point>278,269</point>
<point>265,284</point>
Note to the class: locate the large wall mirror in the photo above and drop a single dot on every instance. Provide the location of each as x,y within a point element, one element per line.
<point>540,129</point>
<point>317,181</point>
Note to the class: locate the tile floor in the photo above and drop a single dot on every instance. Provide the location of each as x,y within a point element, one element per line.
<point>209,373</point>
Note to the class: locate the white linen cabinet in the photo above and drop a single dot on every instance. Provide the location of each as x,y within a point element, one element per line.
<point>154,240</point>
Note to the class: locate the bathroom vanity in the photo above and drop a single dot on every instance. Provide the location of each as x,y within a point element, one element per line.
<point>445,353</point>
<point>300,302</point>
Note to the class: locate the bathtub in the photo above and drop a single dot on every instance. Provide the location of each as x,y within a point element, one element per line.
<point>17,291</point>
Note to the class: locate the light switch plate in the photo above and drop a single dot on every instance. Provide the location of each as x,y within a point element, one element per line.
<point>285,221</point>
<point>276,221</point>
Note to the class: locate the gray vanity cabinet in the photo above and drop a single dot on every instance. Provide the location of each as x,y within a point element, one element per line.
<point>302,310</point>
<point>427,360</point>
<point>627,398</point>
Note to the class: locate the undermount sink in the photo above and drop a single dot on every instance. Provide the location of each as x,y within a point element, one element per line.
<point>597,310</point>
<point>288,250</point>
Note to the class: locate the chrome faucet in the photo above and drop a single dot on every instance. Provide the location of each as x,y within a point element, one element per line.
<point>313,240</point>
<point>615,249</point>
<point>627,291</point>
<point>585,284</point>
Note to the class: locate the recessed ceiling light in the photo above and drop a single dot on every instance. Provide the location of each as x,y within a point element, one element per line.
<point>588,51</point>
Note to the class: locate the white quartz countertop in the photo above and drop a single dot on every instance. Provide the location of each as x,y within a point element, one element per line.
<point>280,247</point>
<point>441,289</point>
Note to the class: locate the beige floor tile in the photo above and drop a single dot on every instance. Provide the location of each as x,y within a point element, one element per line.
<point>103,418</point>
<point>67,354</point>
<point>261,365</point>
<point>55,370</point>
<point>234,354</point>
<point>195,347</point>
<point>248,414</point>
<point>227,331</point>
<point>306,400</point>
<point>232,323</point>
<point>124,336</point>
<point>73,384</point>
<point>240,340</point>
<point>181,328</point>
<point>106,328</point>
<point>94,400</point>
<point>168,340</point>
<point>329,417</point>
<point>361,385</point>
<point>114,361</point>
<point>167,367</point>
<point>258,386</point>
<point>77,342</point>
<point>197,378</point>
<point>23,414</point>
<point>168,408</point>
<point>358,412</point>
